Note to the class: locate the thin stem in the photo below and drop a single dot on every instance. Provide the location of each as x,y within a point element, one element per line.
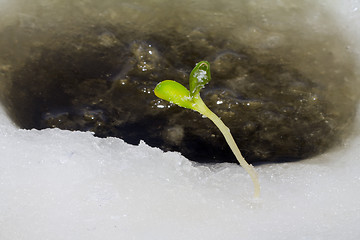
<point>203,109</point>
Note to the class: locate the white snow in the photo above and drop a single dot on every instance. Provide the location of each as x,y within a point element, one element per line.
<point>57,184</point>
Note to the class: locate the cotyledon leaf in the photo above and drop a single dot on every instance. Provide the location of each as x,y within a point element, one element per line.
<point>199,76</point>
<point>174,92</point>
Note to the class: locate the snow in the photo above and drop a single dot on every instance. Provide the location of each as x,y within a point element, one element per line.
<point>57,184</point>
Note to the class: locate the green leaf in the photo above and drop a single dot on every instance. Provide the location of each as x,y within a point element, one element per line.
<point>174,92</point>
<point>199,76</point>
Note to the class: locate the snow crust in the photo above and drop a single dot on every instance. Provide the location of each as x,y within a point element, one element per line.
<point>57,184</point>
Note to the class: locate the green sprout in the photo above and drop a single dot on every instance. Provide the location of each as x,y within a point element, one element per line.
<point>176,93</point>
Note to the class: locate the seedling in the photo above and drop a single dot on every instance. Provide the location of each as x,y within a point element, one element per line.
<point>176,93</point>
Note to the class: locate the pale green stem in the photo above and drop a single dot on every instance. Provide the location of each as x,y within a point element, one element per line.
<point>203,109</point>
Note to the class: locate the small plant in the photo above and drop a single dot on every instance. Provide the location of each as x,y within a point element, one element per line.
<point>176,93</point>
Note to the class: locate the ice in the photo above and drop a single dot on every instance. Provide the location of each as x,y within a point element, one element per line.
<point>57,184</point>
